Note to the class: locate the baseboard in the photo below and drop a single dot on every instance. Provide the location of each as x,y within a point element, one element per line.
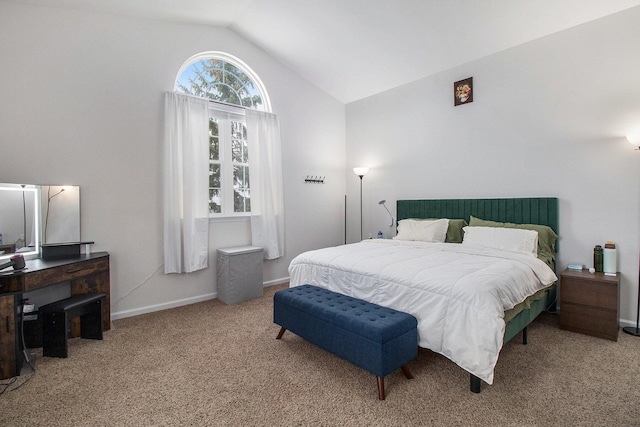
<point>275,282</point>
<point>625,323</point>
<point>164,306</point>
<point>179,303</point>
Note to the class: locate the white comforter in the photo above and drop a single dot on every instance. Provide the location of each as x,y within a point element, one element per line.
<point>457,293</point>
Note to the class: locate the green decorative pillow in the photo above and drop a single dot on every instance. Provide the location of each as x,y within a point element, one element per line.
<point>546,236</point>
<point>454,232</point>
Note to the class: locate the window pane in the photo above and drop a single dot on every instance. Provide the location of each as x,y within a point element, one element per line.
<point>215,205</point>
<point>241,201</point>
<point>236,151</point>
<point>214,142</point>
<point>240,176</point>
<point>239,143</point>
<point>213,126</point>
<point>214,175</point>
<point>245,152</point>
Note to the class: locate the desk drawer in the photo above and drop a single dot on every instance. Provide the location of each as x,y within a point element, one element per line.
<point>63,273</point>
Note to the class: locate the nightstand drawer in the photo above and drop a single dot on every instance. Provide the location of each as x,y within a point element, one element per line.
<point>603,295</point>
<point>589,320</point>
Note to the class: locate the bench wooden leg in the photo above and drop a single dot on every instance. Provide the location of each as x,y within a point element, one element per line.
<point>380,388</point>
<point>280,333</point>
<point>405,370</point>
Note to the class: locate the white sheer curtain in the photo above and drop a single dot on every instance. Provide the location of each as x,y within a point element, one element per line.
<point>265,173</point>
<point>186,193</point>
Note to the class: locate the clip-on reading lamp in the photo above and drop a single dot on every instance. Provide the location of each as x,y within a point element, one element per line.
<point>16,261</point>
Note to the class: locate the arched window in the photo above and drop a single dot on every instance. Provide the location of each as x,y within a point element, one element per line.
<point>223,78</point>
<point>231,86</point>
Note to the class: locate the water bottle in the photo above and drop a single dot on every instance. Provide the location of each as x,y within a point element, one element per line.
<point>597,258</point>
<point>379,234</point>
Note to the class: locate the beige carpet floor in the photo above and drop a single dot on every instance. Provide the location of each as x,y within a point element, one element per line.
<point>210,364</point>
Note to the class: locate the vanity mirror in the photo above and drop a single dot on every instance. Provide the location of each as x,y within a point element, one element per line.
<point>60,213</point>
<point>31,215</point>
<point>19,219</point>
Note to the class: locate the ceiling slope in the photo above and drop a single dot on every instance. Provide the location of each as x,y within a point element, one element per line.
<point>353,49</point>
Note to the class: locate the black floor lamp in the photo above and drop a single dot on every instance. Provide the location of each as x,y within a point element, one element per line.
<point>635,140</point>
<point>635,330</point>
<point>360,172</point>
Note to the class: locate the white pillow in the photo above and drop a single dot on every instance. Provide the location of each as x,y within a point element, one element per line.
<point>423,230</point>
<point>506,239</point>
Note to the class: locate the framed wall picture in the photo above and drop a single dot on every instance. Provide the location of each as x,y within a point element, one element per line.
<point>463,91</point>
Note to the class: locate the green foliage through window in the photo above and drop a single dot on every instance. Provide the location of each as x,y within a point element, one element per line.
<point>220,81</point>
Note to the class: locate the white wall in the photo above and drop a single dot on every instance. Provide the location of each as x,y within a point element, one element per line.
<point>81,103</point>
<point>548,119</point>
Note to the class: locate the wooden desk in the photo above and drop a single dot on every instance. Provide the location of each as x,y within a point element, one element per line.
<point>85,274</point>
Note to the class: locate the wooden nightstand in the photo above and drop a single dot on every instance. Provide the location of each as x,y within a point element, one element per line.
<point>589,303</point>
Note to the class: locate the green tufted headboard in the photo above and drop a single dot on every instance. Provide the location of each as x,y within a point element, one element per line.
<point>536,210</point>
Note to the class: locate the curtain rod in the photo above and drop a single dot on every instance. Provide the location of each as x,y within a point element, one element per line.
<point>227,104</point>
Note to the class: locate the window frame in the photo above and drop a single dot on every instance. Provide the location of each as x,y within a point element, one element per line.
<point>226,113</point>
<point>232,112</point>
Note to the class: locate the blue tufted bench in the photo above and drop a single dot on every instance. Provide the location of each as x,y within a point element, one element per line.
<point>377,339</point>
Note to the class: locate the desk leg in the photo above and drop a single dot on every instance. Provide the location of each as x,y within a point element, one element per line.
<point>10,344</point>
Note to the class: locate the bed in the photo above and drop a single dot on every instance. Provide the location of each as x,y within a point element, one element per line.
<point>469,299</point>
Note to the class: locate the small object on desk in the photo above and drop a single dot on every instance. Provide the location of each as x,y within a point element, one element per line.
<point>16,261</point>
<point>577,267</point>
<point>592,270</point>
<point>597,258</point>
<point>609,261</point>
<point>63,250</point>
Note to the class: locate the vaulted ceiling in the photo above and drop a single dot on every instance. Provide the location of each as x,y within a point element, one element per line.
<point>352,49</point>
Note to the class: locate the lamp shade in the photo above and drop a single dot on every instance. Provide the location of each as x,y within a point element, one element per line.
<point>360,171</point>
<point>633,138</point>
